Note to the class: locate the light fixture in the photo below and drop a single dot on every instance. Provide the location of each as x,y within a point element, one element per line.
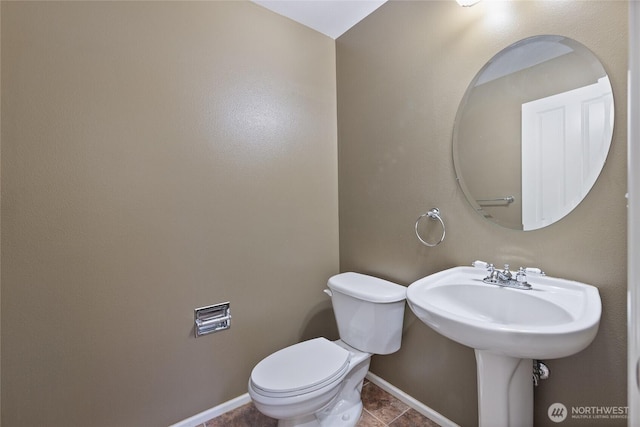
<point>467,3</point>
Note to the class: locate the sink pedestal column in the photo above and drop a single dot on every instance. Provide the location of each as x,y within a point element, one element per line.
<point>505,390</point>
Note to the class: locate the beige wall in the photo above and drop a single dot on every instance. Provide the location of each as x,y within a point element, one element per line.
<point>0,217</point>
<point>401,74</point>
<point>158,157</point>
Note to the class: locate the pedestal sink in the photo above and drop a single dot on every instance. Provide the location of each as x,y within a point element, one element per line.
<point>508,328</point>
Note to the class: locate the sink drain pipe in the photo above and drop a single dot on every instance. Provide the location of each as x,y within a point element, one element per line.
<point>540,371</point>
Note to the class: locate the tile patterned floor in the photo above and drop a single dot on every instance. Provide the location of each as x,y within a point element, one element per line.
<point>380,410</point>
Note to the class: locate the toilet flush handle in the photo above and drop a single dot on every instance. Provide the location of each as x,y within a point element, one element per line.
<point>328,292</point>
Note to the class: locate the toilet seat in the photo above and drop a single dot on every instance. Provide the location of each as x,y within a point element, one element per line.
<point>301,368</point>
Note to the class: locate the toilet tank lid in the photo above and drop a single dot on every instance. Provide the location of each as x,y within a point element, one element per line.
<point>367,288</point>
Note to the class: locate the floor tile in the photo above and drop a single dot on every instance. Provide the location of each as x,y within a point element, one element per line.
<point>368,420</point>
<point>244,416</point>
<point>381,409</point>
<point>412,418</point>
<point>381,404</point>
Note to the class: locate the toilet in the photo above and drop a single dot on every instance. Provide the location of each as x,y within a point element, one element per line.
<point>318,382</point>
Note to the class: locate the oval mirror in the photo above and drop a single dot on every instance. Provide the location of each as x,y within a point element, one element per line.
<point>533,131</point>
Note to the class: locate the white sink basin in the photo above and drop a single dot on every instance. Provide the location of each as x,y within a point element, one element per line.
<point>507,328</point>
<point>556,318</point>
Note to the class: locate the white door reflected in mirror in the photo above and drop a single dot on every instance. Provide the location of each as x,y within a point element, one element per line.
<point>565,140</point>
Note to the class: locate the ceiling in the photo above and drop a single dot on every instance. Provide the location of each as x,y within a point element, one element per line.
<point>330,17</point>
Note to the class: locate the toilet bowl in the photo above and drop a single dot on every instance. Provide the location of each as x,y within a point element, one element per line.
<point>318,382</point>
<point>297,385</point>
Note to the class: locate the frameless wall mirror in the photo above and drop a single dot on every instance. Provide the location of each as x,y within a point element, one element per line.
<point>533,131</point>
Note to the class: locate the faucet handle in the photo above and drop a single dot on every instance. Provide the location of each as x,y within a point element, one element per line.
<point>491,277</point>
<point>534,270</point>
<point>480,264</point>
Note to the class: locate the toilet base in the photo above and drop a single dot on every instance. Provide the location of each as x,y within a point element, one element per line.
<point>342,414</point>
<point>347,417</point>
<point>307,421</point>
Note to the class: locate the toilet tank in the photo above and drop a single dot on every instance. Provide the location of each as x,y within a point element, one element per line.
<point>369,312</point>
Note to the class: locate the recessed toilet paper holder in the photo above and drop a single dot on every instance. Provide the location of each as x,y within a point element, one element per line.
<point>212,318</point>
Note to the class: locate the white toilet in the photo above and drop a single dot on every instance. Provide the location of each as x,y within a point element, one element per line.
<point>318,382</point>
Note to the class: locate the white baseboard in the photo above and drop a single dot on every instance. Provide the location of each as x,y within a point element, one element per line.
<point>216,411</point>
<point>232,404</point>
<point>410,401</point>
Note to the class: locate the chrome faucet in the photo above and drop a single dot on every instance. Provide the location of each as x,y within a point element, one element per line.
<point>506,279</point>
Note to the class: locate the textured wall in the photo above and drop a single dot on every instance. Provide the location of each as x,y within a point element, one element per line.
<point>158,157</point>
<point>401,74</point>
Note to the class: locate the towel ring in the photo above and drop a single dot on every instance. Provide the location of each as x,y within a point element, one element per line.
<point>434,214</point>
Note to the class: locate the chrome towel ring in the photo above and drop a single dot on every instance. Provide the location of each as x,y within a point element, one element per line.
<point>434,214</point>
